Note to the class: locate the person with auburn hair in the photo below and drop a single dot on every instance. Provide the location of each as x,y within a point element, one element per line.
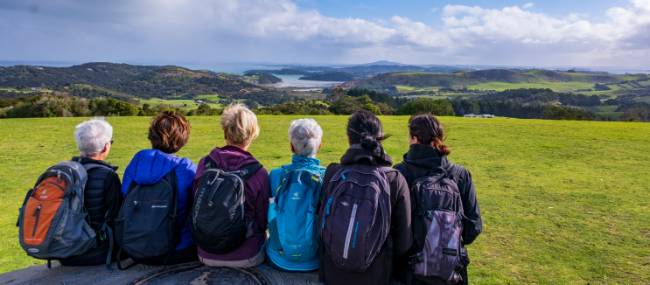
<point>168,133</point>
<point>366,210</point>
<point>240,129</point>
<point>426,163</point>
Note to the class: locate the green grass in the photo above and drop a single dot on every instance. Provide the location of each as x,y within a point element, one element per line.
<point>185,104</point>
<point>212,98</point>
<point>563,202</point>
<point>559,86</point>
<point>405,88</point>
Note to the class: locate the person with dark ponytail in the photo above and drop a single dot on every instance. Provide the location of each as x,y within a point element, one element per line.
<point>365,211</point>
<point>426,162</point>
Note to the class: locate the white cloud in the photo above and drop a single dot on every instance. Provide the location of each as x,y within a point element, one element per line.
<point>267,30</point>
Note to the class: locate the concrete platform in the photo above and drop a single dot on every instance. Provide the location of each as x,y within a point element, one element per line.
<point>189,273</point>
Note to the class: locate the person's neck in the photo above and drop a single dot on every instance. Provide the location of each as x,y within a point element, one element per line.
<point>97,157</point>
<point>242,147</point>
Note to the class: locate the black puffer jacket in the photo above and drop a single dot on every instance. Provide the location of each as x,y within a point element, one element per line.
<point>423,160</point>
<point>102,193</point>
<point>102,198</point>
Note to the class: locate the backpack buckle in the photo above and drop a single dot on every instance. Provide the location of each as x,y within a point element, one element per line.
<point>415,259</point>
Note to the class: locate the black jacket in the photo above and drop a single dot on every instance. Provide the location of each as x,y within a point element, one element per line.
<point>102,198</point>
<point>422,160</point>
<point>399,239</point>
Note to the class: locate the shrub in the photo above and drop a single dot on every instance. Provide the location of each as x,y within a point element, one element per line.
<point>440,107</point>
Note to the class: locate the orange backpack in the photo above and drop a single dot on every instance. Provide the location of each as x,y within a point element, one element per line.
<point>53,221</point>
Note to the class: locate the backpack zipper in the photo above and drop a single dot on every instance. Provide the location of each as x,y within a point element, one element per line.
<point>37,214</point>
<point>348,235</point>
<point>425,264</point>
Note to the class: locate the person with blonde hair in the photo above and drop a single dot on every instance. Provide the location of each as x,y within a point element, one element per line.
<point>230,239</point>
<point>296,187</point>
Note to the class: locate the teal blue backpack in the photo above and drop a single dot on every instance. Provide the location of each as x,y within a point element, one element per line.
<point>293,242</point>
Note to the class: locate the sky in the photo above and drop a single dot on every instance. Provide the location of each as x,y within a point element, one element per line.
<point>550,33</point>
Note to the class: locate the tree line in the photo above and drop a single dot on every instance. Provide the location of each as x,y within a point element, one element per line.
<point>521,103</point>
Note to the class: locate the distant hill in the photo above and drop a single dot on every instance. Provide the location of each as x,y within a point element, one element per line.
<point>134,80</point>
<point>263,77</point>
<point>354,72</point>
<point>488,79</point>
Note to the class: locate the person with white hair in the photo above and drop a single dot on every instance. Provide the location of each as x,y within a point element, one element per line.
<point>295,190</point>
<point>102,197</point>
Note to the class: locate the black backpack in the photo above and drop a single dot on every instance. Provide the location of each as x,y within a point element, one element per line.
<point>437,226</point>
<point>146,225</point>
<point>356,216</point>
<point>218,221</point>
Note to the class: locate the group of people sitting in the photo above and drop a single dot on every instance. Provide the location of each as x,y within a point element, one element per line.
<point>359,221</point>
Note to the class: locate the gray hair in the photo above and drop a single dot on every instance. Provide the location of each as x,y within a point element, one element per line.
<point>305,136</point>
<point>92,136</point>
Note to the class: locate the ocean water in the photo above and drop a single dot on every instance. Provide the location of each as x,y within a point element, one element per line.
<point>294,81</point>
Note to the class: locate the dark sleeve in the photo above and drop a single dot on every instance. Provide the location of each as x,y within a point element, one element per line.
<point>113,195</point>
<point>262,203</point>
<point>329,172</point>
<point>199,170</point>
<point>472,224</point>
<point>401,230</point>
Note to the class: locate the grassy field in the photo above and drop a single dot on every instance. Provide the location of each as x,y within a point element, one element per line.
<point>185,104</point>
<point>554,85</point>
<point>563,202</point>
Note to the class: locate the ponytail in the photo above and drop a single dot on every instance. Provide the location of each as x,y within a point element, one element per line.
<point>370,143</point>
<point>365,129</point>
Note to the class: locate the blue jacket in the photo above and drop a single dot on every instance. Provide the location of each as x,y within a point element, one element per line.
<point>297,163</point>
<point>148,166</point>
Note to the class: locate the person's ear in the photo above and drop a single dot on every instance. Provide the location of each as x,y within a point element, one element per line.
<point>414,140</point>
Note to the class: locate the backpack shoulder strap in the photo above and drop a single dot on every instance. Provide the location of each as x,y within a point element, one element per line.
<point>208,162</point>
<point>247,171</point>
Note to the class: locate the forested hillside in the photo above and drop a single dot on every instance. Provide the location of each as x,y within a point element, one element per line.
<point>122,89</point>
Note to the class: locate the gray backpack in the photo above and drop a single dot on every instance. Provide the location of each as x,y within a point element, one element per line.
<point>437,225</point>
<point>356,216</point>
<point>53,221</point>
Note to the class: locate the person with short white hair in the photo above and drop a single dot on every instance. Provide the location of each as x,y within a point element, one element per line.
<point>305,136</point>
<point>94,138</point>
<point>102,195</point>
<point>295,190</point>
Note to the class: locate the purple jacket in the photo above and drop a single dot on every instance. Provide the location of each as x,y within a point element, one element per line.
<point>257,191</point>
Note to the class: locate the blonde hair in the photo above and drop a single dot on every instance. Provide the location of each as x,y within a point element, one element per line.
<point>239,125</point>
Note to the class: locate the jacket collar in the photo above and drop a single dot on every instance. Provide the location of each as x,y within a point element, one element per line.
<point>86,160</point>
<point>358,155</point>
<point>425,156</point>
<point>303,161</point>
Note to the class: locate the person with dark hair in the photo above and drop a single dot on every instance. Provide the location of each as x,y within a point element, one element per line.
<point>365,210</point>
<point>426,163</point>
<point>168,133</point>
